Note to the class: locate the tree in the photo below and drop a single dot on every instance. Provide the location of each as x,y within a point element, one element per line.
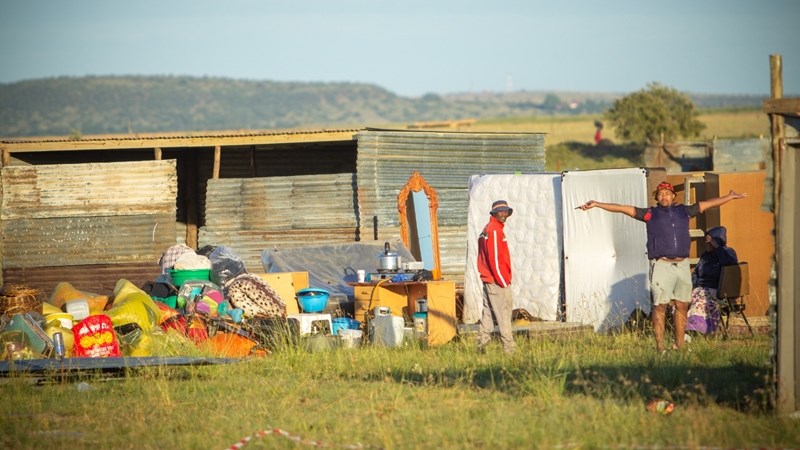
<point>646,115</point>
<point>551,102</point>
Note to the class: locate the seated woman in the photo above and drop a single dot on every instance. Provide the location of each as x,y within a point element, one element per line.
<point>703,316</point>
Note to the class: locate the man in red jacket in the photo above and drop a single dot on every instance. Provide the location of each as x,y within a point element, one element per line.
<point>494,267</point>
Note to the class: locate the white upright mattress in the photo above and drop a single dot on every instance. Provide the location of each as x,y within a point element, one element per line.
<point>605,254</point>
<point>534,237</point>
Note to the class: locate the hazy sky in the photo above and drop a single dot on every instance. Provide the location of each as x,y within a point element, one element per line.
<point>413,47</point>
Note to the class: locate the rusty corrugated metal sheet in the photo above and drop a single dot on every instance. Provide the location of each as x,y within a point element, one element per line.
<point>274,161</point>
<point>70,241</point>
<point>386,160</point>
<point>87,214</point>
<point>251,214</point>
<point>84,190</point>
<point>281,203</point>
<point>97,279</point>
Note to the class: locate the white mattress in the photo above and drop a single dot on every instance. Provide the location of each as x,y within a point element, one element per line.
<point>534,236</point>
<point>605,254</point>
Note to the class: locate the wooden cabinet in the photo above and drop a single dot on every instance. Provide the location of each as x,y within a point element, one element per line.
<point>402,298</point>
<point>286,284</point>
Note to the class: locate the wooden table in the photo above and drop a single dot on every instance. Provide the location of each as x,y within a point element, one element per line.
<point>401,298</point>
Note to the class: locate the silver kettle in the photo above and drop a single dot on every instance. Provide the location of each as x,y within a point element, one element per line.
<point>389,260</point>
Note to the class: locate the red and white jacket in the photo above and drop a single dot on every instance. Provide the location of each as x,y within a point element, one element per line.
<point>494,261</point>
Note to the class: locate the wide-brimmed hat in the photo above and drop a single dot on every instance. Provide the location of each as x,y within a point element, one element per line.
<point>664,186</point>
<point>501,205</point>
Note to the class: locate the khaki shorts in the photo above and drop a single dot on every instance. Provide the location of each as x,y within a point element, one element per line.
<point>670,281</point>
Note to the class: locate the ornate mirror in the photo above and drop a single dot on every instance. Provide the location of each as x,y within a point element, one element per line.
<point>417,203</point>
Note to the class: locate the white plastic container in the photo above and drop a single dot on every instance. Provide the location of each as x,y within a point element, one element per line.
<point>387,330</point>
<point>350,338</point>
<point>79,309</point>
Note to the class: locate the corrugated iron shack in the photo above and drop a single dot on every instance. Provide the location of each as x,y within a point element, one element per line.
<point>93,210</point>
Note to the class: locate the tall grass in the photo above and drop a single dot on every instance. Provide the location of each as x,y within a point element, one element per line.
<point>585,391</point>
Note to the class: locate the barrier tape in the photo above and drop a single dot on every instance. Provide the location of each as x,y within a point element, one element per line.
<point>293,437</point>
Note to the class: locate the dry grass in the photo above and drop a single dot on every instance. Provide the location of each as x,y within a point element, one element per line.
<point>580,129</point>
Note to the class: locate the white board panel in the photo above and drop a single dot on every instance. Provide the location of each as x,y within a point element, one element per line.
<point>534,236</point>
<point>605,254</point>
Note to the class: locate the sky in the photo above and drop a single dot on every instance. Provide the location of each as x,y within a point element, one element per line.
<point>413,47</point>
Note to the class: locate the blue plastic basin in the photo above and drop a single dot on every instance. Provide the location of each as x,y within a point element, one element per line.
<point>313,300</point>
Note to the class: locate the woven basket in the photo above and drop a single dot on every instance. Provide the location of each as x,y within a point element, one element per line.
<point>20,298</point>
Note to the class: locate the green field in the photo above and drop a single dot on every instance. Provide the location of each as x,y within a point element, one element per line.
<point>571,392</point>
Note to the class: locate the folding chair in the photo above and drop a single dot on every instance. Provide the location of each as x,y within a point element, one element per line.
<point>734,286</point>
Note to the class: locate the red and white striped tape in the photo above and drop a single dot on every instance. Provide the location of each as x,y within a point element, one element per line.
<point>293,437</point>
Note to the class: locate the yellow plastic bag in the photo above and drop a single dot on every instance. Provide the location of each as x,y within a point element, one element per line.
<point>125,292</point>
<point>65,292</point>
<point>134,309</point>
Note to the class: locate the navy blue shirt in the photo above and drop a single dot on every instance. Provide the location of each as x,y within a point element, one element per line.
<point>667,229</point>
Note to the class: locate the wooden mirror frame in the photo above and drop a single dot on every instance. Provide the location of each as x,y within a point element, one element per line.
<point>415,184</point>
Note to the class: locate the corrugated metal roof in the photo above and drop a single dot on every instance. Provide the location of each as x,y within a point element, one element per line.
<point>167,136</point>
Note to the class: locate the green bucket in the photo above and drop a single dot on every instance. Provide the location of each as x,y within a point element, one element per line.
<point>181,276</point>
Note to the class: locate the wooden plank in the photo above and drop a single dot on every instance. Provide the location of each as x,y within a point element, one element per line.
<point>789,106</point>
<point>442,324</point>
<point>284,284</point>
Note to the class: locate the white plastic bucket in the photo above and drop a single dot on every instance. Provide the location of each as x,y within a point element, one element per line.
<point>387,330</point>
<point>350,338</point>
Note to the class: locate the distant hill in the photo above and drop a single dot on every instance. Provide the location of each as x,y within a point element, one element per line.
<point>136,104</point>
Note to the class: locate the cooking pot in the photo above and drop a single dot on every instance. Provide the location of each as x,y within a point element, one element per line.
<point>389,260</point>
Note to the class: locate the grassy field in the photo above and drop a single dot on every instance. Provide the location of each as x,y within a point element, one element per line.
<point>581,391</point>
<point>581,129</point>
<point>570,140</point>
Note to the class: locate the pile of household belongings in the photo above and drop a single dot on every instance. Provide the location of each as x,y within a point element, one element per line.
<point>220,309</point>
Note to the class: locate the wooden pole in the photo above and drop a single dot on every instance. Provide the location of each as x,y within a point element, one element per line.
<point>157,153</point>
<point>777,124</point>
<point>253,169</point>
<point>217,157</point>
<point>190,170</point>
<point>5,157</point>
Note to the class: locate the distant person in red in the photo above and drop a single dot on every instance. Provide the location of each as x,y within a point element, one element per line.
<point>598,135</point>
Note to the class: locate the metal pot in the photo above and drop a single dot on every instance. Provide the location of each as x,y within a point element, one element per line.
<point>389,260</point>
